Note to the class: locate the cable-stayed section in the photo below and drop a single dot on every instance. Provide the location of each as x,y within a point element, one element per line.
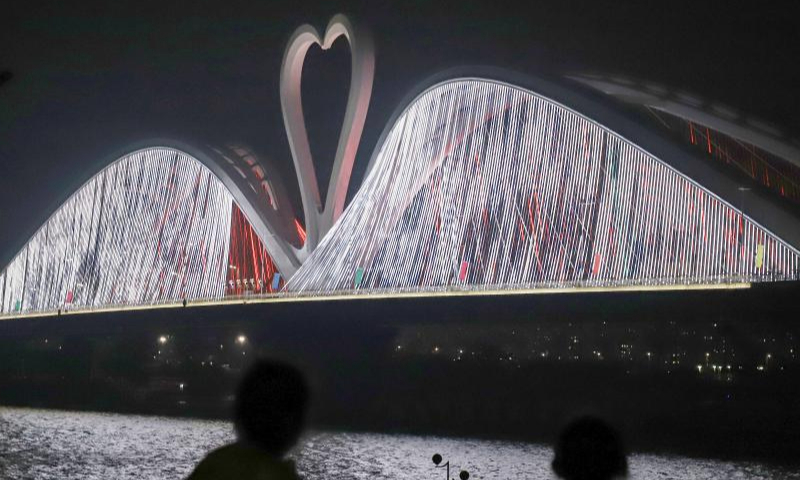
<point>155,226</point>
<point>721,133</point>
<point>482,185</point>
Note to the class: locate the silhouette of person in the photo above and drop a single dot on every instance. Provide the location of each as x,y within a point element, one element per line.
<point>589,449</point>
<point>269,416</point>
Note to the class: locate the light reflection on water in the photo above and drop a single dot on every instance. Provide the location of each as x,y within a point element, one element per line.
<point>47,444</point>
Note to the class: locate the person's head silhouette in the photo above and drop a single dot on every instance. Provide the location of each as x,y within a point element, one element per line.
<point>271,406</point>
<point>589,449</point>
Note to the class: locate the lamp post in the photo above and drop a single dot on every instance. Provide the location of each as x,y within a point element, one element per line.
<point>437,460</point>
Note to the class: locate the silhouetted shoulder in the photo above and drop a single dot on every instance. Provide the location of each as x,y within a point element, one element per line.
<point>241,461</point>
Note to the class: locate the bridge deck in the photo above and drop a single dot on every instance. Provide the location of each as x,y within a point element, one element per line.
<point>284,297</point>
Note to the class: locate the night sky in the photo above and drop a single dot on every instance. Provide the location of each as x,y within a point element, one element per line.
<point>91,77</point>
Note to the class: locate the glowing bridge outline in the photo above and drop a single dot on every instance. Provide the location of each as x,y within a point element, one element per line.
<point>343,265</point>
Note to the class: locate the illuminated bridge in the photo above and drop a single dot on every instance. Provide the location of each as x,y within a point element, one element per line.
<point>488,185</point>
<point>483,181</point>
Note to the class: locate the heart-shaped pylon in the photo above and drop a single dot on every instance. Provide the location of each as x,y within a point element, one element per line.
<point>319,217</point>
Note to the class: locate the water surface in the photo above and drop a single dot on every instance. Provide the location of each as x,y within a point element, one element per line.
<point>49,444</point>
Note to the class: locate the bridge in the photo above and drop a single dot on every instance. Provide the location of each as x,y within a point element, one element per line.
<point>484,182</point>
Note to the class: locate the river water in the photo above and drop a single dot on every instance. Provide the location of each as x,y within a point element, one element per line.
<point>49,444</point>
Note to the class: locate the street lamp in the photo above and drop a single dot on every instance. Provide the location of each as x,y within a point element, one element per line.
<point>437,460</point>
<point>241,339</point>
<point>162,339</point>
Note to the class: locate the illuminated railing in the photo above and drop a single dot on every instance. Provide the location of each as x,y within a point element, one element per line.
<point>550,288</point>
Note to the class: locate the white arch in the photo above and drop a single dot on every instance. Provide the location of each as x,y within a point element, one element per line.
<point>153,226</point>
<point>480,184</point>
<point>320,217</point>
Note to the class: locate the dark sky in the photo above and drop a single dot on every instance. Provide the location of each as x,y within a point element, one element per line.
<point>91,77</point>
